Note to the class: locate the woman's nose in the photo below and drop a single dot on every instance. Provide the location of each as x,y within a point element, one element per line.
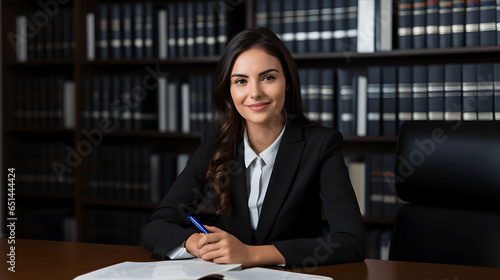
<point>255,91</point>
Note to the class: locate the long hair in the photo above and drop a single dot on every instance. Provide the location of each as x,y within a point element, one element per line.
<point>229,123</point>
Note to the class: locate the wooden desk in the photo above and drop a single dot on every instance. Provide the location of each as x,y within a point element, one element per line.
<point>39,260</point>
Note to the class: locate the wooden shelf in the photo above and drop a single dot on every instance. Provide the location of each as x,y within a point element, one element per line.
<point>408,54</point>
<point>370,139</point>
<point>134,62</point>
<point>382,221</point>
<point>40,63</point>
<point>156,135</point>
<point>119,204</point>
<point>40,130</point>
<point>51,196</point>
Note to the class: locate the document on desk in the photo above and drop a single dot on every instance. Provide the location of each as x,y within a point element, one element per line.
<point>190,270</point>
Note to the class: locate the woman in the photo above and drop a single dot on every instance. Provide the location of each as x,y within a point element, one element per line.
<point>267,168</point>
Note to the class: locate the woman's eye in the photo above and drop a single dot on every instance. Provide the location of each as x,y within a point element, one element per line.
<point>239,81</point>
<point>268,78</point>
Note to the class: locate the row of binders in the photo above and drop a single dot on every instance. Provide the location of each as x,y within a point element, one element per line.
<point>374,184</point>
<point>43,168</point>
<point>328,26</point>
<point>317,93</point>
<point>146,30</point>
<point>44,102</point>
<point>132,173</point>
<point>377,102</point>
<point>167,105</point>
<point>42,35</point>
<point>445,24</point>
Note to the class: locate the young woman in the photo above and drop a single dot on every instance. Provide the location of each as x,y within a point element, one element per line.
<point>268,169</point>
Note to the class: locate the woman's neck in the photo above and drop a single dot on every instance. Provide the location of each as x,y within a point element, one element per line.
<point>261,137</point>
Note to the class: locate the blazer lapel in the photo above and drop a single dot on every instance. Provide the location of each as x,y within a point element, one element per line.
<point>240,215</point>
<point>285,166</point>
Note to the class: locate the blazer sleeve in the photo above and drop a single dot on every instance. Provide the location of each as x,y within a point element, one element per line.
<point>168,226</point>
<point>346,240</point>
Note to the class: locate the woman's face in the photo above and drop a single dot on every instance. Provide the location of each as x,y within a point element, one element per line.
<point>258,87</point>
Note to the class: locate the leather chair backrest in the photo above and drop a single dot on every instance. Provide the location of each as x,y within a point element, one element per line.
<point>449,162</point>
<point>450,174</point>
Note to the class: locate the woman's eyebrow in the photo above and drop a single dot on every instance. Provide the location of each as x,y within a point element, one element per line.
<point>260,74</point>
<point>267,71</point>
<point>239,75</point>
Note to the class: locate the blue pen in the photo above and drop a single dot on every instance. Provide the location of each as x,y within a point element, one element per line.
<point>198,225</point>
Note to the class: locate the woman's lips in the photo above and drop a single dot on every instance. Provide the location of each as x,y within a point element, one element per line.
<point>258,106</point>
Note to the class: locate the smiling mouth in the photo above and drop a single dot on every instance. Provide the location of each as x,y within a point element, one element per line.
<point>258,106</point>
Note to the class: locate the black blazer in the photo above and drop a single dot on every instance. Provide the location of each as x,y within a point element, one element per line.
<point>309,171</point>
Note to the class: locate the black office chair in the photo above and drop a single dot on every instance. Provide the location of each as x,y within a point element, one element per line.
<point>449,172</point>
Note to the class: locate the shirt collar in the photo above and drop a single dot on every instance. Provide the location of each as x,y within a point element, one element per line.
<point>268,155</point>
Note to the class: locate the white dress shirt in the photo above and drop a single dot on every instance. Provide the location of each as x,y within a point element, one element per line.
<point>256,191</point>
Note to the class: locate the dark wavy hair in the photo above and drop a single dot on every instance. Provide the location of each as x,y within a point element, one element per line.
<point>229,123</point>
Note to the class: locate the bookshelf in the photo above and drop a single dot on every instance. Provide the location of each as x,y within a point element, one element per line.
<point>73,62</point>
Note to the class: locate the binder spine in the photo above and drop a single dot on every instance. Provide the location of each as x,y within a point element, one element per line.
<point>148,30</point>
<point>301,26</point>
<point>472,23</point>
<point>275,17</point>
<point>313,20</point>
<point>419,89</point>
<point>487,23</point>
<point>172,30</point>
<point>210,39</point>
<point>432,24</point>
<point>127,31</point>
<point>445,23</point>
<point>327,101</point>
<point>405,24</point>
<point>181,28</point>
<point>404,94</point>
<point>496,85</point>
<point>222,28</point>
<point>418,29</point>
<point>469,91</point>
<point>435,90</point>
<point>102,31</point>
<point>453,92</point>
<point>138,30</point>
<point>498,21</point>
<point>200,29</point>
<point>339,32</point>
<point>485,92</point>
<point>288,22</point>
<point>326,26</point>
<point>314,94</point>
<point>374,93</point>
<point>190,26</point>
<point>458,23</point>
<point>115,42</point>
<point>345,102</point>
<point>389,79</point>
<point>352,25</point>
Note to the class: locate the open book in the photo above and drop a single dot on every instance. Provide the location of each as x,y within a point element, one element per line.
<point>189,269</point>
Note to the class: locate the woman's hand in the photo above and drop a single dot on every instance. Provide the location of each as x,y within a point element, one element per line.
<point>192,244</point>
<point>221,247</point>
